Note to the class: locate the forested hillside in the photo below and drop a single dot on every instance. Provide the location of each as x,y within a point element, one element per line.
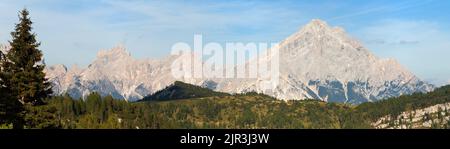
<point>408,109</point>
<point>181,90</point>
<point>249,110</point>
<point>238,111</point>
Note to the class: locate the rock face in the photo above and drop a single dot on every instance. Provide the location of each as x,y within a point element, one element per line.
<point>324,63</point>
<point>318,61</point>
<point>416,119</point>
<point>115,73</point>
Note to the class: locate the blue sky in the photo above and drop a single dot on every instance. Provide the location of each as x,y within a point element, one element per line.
<point>415,32</point>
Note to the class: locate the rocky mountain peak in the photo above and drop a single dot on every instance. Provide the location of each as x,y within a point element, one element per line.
<point>316,25</point>
<point>56,70</point>
<point>332,66</point>
<point>116,52</point>
<point>58,67</point>
<point>316,32</point>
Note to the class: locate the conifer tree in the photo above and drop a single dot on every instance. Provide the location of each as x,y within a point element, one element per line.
<point>22,73</point>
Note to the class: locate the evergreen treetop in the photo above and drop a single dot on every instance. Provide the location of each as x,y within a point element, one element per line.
<point>24,64</point>
<point>22,77</point>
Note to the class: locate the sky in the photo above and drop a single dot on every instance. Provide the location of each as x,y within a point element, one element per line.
<point>414,32</point>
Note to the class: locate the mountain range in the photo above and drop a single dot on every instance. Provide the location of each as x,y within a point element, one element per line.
<point>317,62</point>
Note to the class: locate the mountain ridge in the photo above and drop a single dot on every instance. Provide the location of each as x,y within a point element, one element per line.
<point>318,62</point>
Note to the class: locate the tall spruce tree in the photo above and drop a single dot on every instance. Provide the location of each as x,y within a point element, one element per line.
<point>23,79</point>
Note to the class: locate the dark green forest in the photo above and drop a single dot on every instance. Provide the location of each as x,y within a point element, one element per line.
<point>250,110</point>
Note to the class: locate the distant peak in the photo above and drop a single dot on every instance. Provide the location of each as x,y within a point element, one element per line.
<point>117,51</point>
<point>318,22</point>
<point>316,26</point>
<point>60,67</point>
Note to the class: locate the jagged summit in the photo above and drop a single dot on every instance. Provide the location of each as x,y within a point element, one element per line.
<point>320,30</point>
<point>318,22</point>
<point>316,25</point>
<point>115,53</point>
<point>325,63</point>
<point>115,72</point>
<point>58,67</point>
